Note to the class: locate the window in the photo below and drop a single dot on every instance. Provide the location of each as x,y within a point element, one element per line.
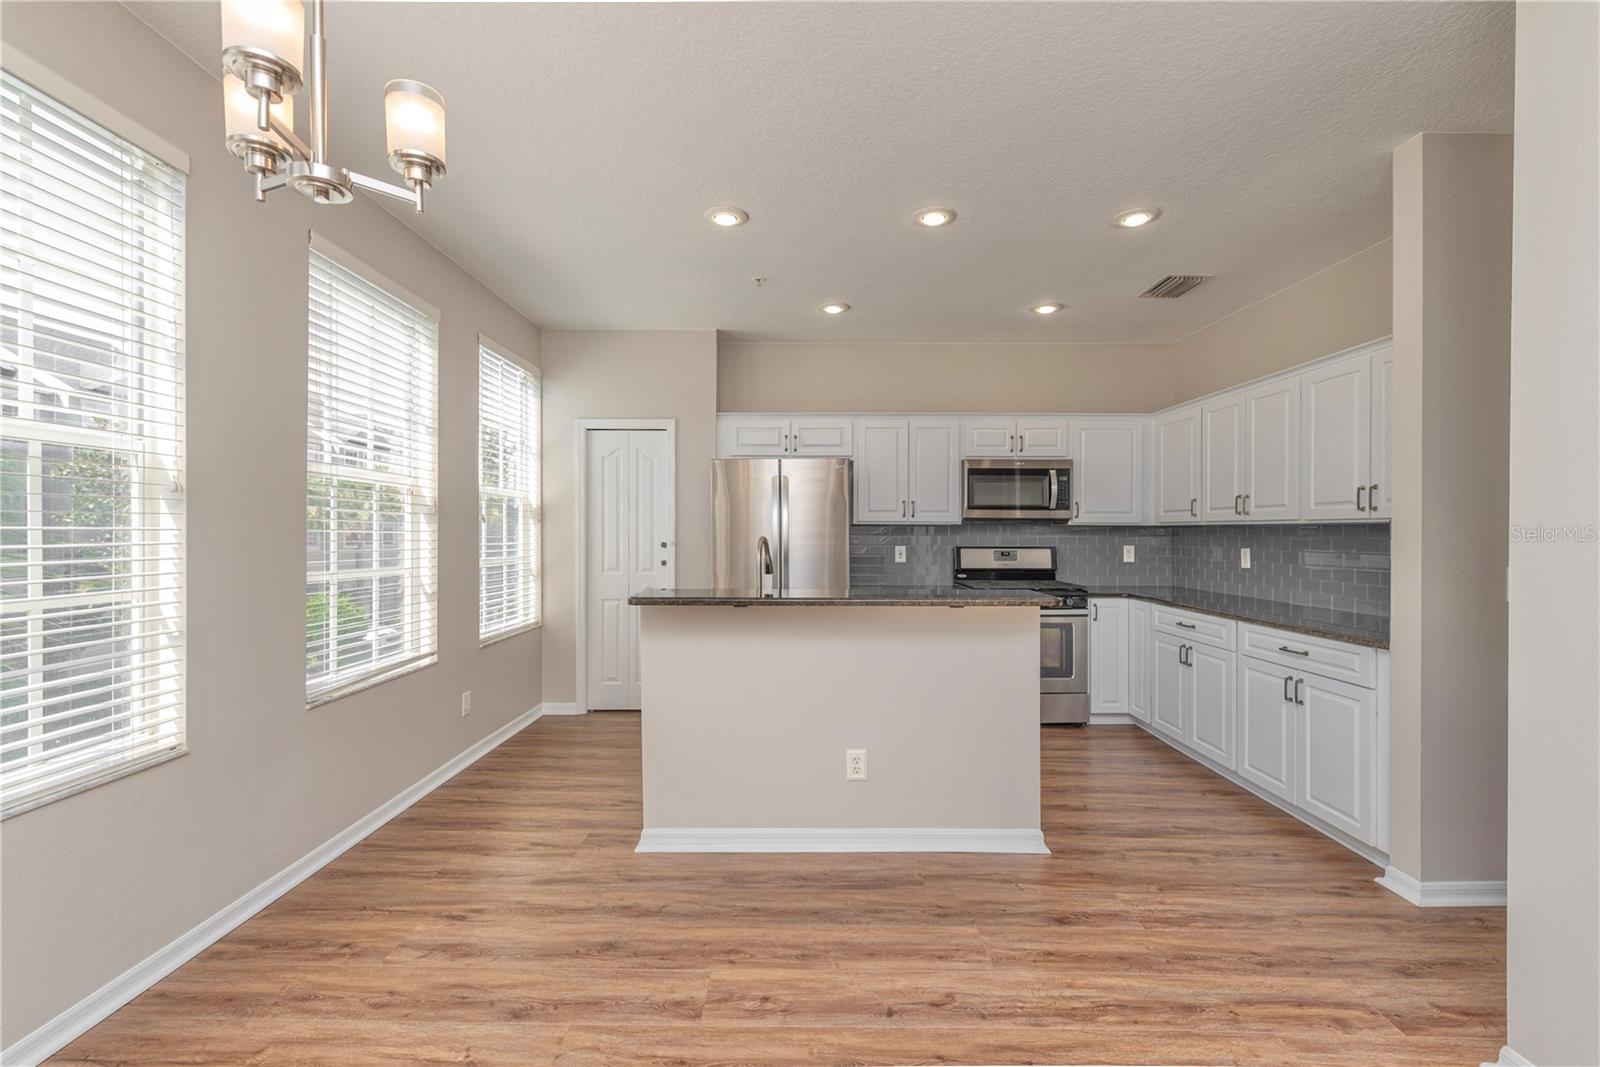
<point>91,452</point>
<point>508,495</point>
<point>370,479</point>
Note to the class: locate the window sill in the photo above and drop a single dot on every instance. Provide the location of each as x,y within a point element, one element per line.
<point>371,680</point>
<point>515,631</point>
<point>110,775</point>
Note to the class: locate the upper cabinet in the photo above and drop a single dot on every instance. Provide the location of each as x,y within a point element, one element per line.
<point>1336,439</point>
<point>1222,459</point>
<point>1021,437</point>
<point>779,435</point>
<point>1107,469</point>
<point>1177,466</point>
<point>1271,456</point>
<point>1382,406</point>
<point>907,471</point>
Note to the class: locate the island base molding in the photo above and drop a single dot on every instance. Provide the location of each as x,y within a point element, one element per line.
<point>842,839</point>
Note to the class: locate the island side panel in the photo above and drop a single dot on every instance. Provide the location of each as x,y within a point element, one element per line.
<point>748,713</point>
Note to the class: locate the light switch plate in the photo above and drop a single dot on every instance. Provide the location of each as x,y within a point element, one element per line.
<point>1244,559</point>
<point>1127,553</point>
<point>899,553</point>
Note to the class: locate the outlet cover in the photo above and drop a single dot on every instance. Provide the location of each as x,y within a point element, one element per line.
<point>1244,559</point>
<point>855,764</point>
<point>1127,553</point>
<point>899,553</point>
<point>466,703</point>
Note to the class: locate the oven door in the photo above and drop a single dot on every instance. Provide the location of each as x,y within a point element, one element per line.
<point>1016,489</point>
<point>1063,652</point>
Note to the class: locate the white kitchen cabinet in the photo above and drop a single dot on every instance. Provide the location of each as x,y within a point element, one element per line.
<point>1108,656</point>
<point>740,436</point>
<point>1177,466</point>
<point>1265,723</point>
<point>1209,690</point>
<point>881,471</point>
<point>1336,439</point>
<point>1336,753</point>
<point>1107,469</point>
<point>1382,428</point>
<point>1222,459</point>
<point>1018,437</point>
<point>934,473</point>
<point>1168,675</point>
<point>1272,452</point>
<point>1138,660</point>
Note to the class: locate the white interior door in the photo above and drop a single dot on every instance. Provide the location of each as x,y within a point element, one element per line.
<point>629,543</point>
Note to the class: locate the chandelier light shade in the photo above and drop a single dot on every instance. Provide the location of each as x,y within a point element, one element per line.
<point>268,58</point>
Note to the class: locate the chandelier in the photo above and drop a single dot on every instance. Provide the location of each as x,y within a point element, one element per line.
<point>264,49</point>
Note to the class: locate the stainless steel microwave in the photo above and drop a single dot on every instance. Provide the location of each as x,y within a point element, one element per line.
<point>1017,489</point>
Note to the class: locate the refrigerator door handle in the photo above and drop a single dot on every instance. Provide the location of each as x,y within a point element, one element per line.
<point>783,532</point>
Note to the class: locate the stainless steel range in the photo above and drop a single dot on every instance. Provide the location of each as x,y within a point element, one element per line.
<point>1063,631</point>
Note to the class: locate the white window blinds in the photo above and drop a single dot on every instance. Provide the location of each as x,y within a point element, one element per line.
<point>371,481</point>
<point>508,495</point>
<point>91,452</point>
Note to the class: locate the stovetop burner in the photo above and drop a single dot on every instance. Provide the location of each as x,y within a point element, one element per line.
<point>1016,568</point>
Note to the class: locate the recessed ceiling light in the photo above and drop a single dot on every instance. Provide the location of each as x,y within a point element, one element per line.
<point>934,217</point>
<point>834,308</point>
<point>727,216</point>
<point>1045,309</point>
<point>1132,220</point>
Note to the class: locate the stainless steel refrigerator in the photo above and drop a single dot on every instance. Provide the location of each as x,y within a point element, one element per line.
<point>780,527</point>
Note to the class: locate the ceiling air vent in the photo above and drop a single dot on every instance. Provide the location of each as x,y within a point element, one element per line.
<point>1174,285</point>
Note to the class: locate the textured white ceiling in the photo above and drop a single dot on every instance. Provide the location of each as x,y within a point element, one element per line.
<point>586,141</point>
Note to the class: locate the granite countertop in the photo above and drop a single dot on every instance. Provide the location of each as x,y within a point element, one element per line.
<point>921,597</point>
<point>1356,628</point>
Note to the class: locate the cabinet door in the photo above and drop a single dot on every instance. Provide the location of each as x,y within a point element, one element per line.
<point>880,471</point>
<point>1382,419</point>
<point>1221,464</point>
<point>1043,436</point>
<point>935,470</point>
<point>991,436</point>
<point>1139,660</point>
<point>1108,656</point>
<point>1272,452</point>
<point>1212,674</point>
<point>1106,466</point>
<point>1264,725</point>
<point>751,435</point>
<point>821,435</point>
<point>1178,467</point>
<point>1336,737</point>
<point>1336,439</point>
<point>1170,681</point>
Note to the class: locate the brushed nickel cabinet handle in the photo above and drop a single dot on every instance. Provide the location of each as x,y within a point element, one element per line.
<point>1185,625</point>
<point>1299,683</point>
<point>1359,505</point>
<point>1192,512</point>
<point>913,509</point>
<point>1288,688</point>
<point>902,509</point>
<point>1372,497</point>
<point>1247,503</point>
<point>1293,651</point>
<point>1094,612</point>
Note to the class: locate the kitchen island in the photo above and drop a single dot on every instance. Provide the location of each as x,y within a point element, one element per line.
<point>754,705</point>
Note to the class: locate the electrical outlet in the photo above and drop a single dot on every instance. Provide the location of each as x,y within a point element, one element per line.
<point>855,764</point>
<point>1244,559</point>
<point>466,703</point>
<point>1127,553</point>
<point>899,553</point>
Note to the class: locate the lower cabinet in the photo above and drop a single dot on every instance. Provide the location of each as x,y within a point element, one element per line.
<point>1138,660</point>
<point>1108,656</point>
<point>1167,703</point>
<point>1210,693</point>
<point>1266,722</point>
<point>1337,727</point>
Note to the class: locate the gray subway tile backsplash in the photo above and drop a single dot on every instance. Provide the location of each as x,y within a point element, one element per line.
<point>1342,566</point>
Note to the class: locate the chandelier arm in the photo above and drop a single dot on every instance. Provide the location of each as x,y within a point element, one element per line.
<point>373,185</point>
<point>296,145</point>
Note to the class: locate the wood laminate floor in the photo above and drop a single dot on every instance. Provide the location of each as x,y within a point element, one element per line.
<point>505,919</point>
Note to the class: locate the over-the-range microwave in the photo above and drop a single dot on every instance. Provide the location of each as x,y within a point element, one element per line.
<point>1017,489</point>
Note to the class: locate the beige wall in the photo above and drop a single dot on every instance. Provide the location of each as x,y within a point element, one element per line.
<point>1452,297</point>
<point>95,883</point>
<point>1553,919</point>
<point>1343,306</point>
<point>616,374</point>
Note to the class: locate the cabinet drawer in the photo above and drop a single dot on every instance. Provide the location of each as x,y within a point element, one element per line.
<point>1207,629</point>
<point>1311,655</point>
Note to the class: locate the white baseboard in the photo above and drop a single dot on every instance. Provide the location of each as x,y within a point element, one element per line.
<point>864,839</point>
<point>1443,894</point>
<point>1112,718</point>
<point>1510,1057</point>
<point>76,1020</point>
<point>550,707</point>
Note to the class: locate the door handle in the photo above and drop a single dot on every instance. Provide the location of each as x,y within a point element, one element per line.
<point>913,509</point>
<point>1247,503</point>
<point>1192,512</point>
<point>1299,683</point>
<point>1186,655</point>
<point>1238,505</point>
<point>1359,505</point>
<point>902,509</point>
<point>1288,688</point>
<point>1372,497</point>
